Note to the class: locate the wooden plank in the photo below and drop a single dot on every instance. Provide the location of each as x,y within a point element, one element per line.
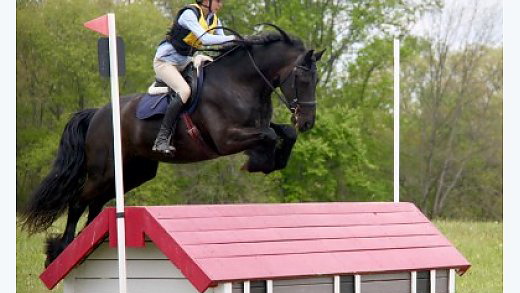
<point>269,286</point>
<point>238,287</point>
<point>226,287</point>
<point>135,269</point>
<point>82,245</point>
<point>134,226</point>
<point>174,251</point>
<point>423,286</point>
<point>388,286</point>
<point>442,285</point>
<point>304,285</point>
<point>386,277</point>
<point>290,221</point>
<point>452,281</point>
<point>160,285</point>
<point>304,233</point>
<point>337,284</point>
<point>347,284</point>
<point>413,284</point>
<point>321,288</point>
<point>134,286</point>
<point>222,210</point>
<point>303,281</point>
<point>309,246</point>
<point>99,286</point>
<point>423,282</point>
<point>249,287</point>
<point>432,281</point>
<point>442,281</point>
<point>423,275</point>
<point>258,286</point>
<point>69,283</point>
<point>150,251</point>
<point>273,266</point>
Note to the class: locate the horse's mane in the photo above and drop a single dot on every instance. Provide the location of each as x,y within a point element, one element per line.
<point>261,39</point>
<point>265,38</point>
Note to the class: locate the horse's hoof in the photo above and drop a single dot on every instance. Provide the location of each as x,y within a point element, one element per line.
<point>54,245</point>
<point>167,151</point>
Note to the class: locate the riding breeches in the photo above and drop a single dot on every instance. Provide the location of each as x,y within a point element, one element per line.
<point>170,74</point>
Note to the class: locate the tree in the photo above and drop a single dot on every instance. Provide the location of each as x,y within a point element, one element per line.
<point>452,115</point>
<point>57,72</point>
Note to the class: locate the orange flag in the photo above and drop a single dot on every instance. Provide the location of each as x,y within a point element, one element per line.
<point>99,25</point>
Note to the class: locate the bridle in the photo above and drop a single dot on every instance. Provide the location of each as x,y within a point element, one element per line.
<point>296,101</point>
<point>295,104</point>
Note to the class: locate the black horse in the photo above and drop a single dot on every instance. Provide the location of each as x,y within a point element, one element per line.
<point>234,115</point>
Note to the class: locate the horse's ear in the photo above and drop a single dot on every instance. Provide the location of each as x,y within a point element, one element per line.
<point>308,59</point>
<point>317,56</point>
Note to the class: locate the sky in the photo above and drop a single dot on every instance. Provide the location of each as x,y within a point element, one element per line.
<point>465,20</point>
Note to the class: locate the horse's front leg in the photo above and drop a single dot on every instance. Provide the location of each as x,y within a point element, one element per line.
<point>287,135</point>
<point>258,143</point>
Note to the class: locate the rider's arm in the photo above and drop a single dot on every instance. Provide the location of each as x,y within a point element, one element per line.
<point>188,19</point>
<point>219,31</point>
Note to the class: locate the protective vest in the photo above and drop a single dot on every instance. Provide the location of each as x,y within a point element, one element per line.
<point>182,39</point>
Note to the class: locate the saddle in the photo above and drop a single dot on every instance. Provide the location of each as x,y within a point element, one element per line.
<point>159,95</point>
<point>156,100</point>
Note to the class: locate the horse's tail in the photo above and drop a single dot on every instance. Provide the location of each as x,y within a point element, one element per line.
<point>66,178</point>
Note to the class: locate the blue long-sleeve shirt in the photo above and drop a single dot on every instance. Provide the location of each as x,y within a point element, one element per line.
<point>188,19</point>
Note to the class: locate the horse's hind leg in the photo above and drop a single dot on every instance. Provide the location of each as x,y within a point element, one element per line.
<point>95,207</point>
<point>91,190</point>
<point>97,191</point>
<point>137,172</point>
<point>55,245</point>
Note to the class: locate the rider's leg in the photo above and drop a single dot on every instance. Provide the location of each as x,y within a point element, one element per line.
<point>168,73</point>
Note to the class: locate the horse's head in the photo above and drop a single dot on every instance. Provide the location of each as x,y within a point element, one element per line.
<point>299,88</point>
<point>288,65</point>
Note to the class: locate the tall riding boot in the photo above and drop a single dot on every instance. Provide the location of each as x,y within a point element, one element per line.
<point>167,131</point>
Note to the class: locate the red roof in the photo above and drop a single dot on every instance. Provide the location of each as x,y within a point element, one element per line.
<point>215,243</point>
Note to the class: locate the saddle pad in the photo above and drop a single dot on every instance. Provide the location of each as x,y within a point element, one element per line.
<point>151,105</point>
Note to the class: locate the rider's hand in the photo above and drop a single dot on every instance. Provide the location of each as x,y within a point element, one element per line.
<point>248,40</point>
<point>197,60</point>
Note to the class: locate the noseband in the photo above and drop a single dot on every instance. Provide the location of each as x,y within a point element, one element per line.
<point>296,103</point>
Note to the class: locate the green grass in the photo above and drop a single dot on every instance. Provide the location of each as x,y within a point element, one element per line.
<point>479,242</point>
<point>30,258</point>
<point>29,264</point>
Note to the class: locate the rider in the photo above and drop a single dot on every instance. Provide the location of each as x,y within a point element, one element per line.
<point>188,32</point>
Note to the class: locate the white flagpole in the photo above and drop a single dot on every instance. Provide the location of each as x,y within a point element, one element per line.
<point>116,121</point>
<point>396,119</point>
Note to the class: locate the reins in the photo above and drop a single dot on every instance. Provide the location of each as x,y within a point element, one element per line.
<point>291,105</point>
<point>222,55</point>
